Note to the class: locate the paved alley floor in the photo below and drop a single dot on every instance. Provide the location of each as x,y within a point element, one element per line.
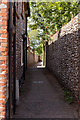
<point>42,97</point>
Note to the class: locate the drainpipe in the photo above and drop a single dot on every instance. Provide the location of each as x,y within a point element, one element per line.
<point>24,56</point>
<point>26,42</point>
<point>14,60</point>
<point>10,56</point>
<point>46,53</point>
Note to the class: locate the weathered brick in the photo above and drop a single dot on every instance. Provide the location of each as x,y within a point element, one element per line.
<point>4,40</point>
<point>3,27</point>
<point>2,84</point>
<point>4,19</point>
<point>3,66</point>
<point>3,49</point>
<point>4,80</point>
<point>4,44</point>
<point>4,35</point>
<point>4,53</point>
<point>3,113</point>
<point>3,23</point>
<point>3,31</point>
<point>3,14</point>
<point>3,10</point>
<point>2,101</point>
<point>2,62</point>
<point>2,75</point>
<point>2,96</point>
<point>2,109</point>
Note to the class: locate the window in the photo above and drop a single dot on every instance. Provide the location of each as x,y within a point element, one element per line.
<point>21,53</point>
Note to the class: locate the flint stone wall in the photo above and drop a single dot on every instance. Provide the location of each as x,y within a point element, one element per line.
<point>63,55</point>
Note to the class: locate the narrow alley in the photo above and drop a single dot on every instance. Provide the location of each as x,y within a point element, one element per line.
<point>43,97</point>
<point>38,41</point>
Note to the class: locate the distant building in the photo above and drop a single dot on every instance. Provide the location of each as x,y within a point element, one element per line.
<point>32,57</point>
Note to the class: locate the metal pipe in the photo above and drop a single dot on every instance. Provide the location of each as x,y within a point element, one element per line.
<point>14,60</point>
<point>24,57</point>
<point>10,56</point>
<point>26,42</point>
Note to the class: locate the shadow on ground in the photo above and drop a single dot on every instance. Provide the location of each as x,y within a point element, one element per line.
<point>42,96</point>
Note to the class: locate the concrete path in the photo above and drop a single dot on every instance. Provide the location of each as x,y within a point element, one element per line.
<point>42,97</point>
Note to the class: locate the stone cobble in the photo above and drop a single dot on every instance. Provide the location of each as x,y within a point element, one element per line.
<point>63,55</point>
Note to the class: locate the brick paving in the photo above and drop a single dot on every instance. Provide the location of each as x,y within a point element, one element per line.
<point>42,97</point>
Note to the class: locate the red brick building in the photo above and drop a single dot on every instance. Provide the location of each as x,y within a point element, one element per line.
<point>13,53</point>
<point>32,57</point>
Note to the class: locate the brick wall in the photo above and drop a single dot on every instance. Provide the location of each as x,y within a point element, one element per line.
<point>63,55</point>
<point>3,57</point>
<point>36,58</point>
<point>4,73</point>
<point>20,29</point>
<point>32,58</point>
